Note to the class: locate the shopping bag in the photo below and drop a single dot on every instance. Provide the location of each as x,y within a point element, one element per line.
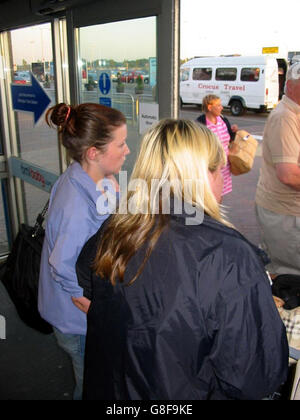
<point>242,152</point>
<point>21,274</point>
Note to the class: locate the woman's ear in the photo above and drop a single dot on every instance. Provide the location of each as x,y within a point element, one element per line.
<point>216,183</point>
<point>92,153</point>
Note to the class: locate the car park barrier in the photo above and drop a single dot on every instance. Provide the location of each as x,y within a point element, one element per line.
<point>124,103</point>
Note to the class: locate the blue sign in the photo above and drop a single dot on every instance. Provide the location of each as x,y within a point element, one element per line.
<point>104,83</point>
<point>153,70</point>
<point>30,98</point>
<point>105,102</point>
<point>33,174</point>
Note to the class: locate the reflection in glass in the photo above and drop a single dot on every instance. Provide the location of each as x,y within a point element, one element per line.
<point>126,51</point>
<point>32,54</point>
<point>37,143</point>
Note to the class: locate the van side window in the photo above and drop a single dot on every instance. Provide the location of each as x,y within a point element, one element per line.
<point>250,74</point>
<point>202,74</point>
<point>228,74</point>
<point>184,75</point>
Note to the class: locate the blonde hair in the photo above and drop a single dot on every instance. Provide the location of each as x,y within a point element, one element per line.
<point>171,152</point>
<point>208,100</point>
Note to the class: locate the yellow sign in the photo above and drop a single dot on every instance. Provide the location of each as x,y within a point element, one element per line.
<point>270,50</point>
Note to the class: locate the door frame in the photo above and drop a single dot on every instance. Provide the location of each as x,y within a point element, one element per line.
<point>168,42</point>
<point>66,69</point>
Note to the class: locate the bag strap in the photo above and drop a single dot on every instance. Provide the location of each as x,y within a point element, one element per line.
<point>40,220</point>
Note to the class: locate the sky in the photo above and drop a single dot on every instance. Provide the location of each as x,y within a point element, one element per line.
<point>207,28</point>
<point>127,40</point>
<point>238,27</point>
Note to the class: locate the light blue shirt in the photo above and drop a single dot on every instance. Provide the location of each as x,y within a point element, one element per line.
<point>72,220</point>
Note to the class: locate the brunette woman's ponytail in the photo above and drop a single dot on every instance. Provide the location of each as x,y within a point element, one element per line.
<point>84,126</point>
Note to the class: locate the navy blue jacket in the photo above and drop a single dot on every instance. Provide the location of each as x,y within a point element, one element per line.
<point>199,323</point>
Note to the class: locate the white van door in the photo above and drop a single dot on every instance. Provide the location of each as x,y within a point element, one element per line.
<point>271,84</point>
<point>226,78</point>
<point>253,80</point>
<point>202,83</point>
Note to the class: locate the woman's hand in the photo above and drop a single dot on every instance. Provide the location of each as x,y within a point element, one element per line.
<point>83,304</point>
<point>278,302</point>
<point>234,128</point>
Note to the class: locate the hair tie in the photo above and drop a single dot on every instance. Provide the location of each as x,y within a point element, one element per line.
<point>68,114</point>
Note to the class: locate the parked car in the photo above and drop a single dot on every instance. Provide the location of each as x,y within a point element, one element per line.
<point>114,75</point>
<point>144,76</point>
<point>93,77</point>
<point>127,77</point>
<point>131,76</point>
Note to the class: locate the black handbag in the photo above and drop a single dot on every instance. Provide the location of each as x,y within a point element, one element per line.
<point>21,273</point>
<point>287,288</point>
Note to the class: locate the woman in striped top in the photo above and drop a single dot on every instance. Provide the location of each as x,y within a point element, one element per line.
<point>219,125</point>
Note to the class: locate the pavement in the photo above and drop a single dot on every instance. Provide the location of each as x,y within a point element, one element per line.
<point>240,203</point>
<point>33,367</point>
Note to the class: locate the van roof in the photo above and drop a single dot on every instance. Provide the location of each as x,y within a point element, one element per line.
<point>235,60</point>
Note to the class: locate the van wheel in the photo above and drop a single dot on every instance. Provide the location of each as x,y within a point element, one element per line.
<point>236,108</point>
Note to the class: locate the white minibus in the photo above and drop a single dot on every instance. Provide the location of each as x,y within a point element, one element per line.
<point>241,82</point>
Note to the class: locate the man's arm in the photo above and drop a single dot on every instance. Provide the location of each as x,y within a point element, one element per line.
<point>289,174</point>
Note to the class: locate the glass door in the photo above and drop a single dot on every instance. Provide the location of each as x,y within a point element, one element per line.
<point>5,232</point>
<point>117,66</point>
<point>35,79</point>
<point>33,74</point>
<point>4,216</point>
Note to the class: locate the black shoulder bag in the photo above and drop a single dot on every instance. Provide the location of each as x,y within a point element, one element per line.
<point>22,270</point>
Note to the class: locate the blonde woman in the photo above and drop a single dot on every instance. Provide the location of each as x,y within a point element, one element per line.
<point>181,306</point>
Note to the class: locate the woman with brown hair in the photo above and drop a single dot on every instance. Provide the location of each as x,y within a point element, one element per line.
<point>181,308</point>
<point>95,139</point>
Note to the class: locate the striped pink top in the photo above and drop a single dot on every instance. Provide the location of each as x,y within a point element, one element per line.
<point>220,129</point>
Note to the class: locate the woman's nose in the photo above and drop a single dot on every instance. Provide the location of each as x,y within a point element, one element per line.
<point>127,150</point>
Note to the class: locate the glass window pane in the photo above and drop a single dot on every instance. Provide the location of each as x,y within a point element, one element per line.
<point>33,58</point>
<point>131,64</point>
<point>32,53</point>
<point>184,75</point>
<point>3,230</point>
<point>250,74</point>
<point>1,143</point>
<point>202,74</point>
<point>1,135</point>
<point>228,74</point>
<point>35,201</point>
